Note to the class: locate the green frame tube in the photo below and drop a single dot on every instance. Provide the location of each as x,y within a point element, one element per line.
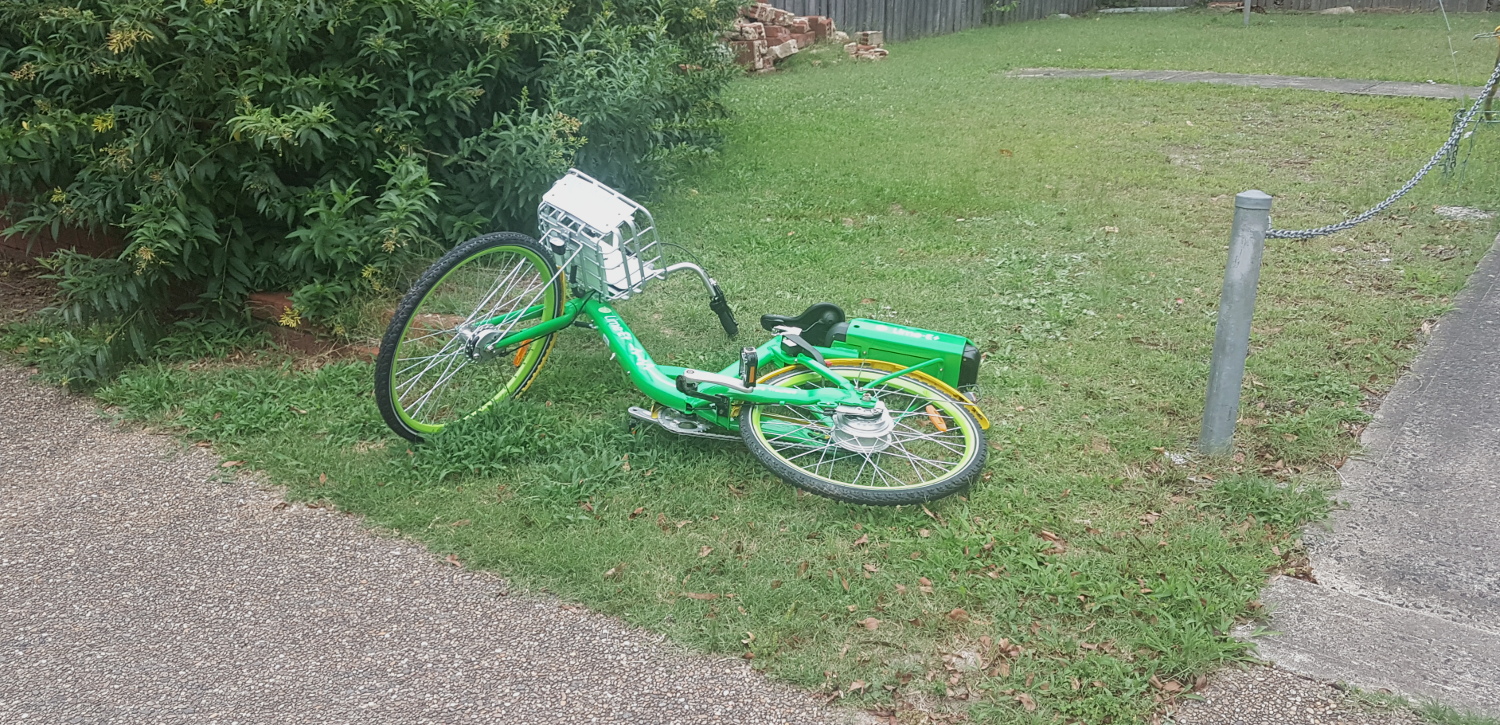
<point>903,371</point>
<point>659,382</point>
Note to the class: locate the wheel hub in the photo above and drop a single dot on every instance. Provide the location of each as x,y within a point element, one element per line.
<point>478,342</point>
<point>863,430</point>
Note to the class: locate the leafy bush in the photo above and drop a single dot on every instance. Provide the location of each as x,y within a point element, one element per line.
<point>318,145</point>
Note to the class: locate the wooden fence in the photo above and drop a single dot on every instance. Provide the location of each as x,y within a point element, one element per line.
<point>1452,6</point>
<point>908,19</point>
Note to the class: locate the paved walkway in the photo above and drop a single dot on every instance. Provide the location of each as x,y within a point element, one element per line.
<point>1330,85</point>
<point>1268,696</point>
<point>136,588</point>
<point>1409,575</point>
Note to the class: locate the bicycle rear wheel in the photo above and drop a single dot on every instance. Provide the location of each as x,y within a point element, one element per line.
<point>430,371</point>
<point>923,445</point>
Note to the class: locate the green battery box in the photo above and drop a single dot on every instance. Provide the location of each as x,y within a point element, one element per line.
<point>825,326</point>
<point>905,346</point>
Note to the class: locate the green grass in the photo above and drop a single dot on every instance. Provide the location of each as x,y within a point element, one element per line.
<point>1076,230</point>
<point>1398,47</point>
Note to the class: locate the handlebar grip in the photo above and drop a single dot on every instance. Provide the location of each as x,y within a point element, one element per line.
<point>720,306</point>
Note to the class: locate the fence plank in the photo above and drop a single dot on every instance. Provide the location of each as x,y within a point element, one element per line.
<point>911,19</point>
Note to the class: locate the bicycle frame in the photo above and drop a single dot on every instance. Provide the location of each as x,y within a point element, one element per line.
<point>660,382</point>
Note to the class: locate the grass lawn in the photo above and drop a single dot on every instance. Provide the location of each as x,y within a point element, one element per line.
<point>1076,230</point>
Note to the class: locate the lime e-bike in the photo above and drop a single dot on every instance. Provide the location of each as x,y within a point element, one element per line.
<point>858,410</point>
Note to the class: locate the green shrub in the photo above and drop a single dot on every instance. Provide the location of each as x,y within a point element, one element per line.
<point>318,146</point>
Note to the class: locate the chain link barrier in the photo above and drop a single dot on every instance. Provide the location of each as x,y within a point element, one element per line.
<point>1447,148</point>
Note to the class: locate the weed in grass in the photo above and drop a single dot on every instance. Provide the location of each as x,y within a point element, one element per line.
<point>1286,507</point>
<point>1439,714</point>
<point>1429,711</point>
<point>1091,576</point>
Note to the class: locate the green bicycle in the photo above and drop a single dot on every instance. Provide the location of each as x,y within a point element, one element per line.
<point>857,410</point>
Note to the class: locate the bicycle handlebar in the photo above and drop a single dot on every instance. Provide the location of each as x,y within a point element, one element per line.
<point>720,306</point>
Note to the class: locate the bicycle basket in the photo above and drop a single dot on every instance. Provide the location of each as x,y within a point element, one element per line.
<point>605,242</point>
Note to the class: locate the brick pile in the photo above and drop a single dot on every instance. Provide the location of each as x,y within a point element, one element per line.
<point>764,35</point>
<point>868,45</point>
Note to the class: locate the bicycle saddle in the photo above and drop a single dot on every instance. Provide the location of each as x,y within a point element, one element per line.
<point>816,322</point>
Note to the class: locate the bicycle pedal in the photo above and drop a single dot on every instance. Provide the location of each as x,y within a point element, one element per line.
<point>677,423</point>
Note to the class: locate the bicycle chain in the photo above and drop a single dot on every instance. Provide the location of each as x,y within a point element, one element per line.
<point>1446,149</point>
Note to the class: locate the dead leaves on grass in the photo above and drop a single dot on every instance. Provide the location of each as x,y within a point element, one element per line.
<point>1059,545</point>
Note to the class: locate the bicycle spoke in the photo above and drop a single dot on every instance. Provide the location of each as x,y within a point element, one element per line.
<point>500,284</point>
<point>443,378</point>
<point>401,391</point>
<point>419,360</point>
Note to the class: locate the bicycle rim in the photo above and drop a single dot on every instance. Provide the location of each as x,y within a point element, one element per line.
<point>434,381</point>
<point>933,439</point>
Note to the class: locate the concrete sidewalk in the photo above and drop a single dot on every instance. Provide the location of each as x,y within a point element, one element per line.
<point>135,587</point>
<point>1408,597</point>
<point>1329,85</point>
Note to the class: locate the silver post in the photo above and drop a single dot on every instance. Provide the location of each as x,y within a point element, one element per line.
<point>1252,217</point>
<point>1247,13</point>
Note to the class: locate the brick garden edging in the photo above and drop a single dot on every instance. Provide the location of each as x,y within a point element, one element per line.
<point>275,309</point>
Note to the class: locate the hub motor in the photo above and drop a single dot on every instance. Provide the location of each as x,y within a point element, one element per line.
<point>863,430</point>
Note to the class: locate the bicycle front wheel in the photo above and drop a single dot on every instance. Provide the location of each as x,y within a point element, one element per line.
<point>430,371</point>
<point>922,445</point>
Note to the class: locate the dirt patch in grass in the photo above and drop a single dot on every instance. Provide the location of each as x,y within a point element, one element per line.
<point>23,291</point>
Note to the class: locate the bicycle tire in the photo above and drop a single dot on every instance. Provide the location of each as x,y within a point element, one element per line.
<point>923,406</point>
<point>524,276</point>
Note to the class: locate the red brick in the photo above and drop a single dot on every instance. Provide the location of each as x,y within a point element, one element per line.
<point>776,35</point>
<point>750,31</point>
<point>747,51</point>
<point>108,242</point>
<point>760,11</point>
<point>784,50</point>
<point>804,39</point>
<point>800,25</point>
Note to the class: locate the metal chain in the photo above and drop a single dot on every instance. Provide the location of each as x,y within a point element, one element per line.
<point>1447,148</point>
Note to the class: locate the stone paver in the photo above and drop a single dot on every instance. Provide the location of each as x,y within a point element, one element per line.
<point>1330,85</point>
<point>1332,635</point>
<point>135,588</point>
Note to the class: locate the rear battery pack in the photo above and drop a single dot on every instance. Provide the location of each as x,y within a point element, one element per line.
<point>907,346</point>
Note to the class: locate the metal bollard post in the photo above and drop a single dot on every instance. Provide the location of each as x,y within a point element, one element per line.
<point>1247,13</point>
<point>1252,217</point>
